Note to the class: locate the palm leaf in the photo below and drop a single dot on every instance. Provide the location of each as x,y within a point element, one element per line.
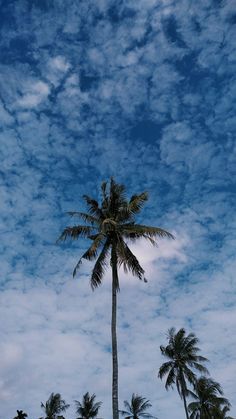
<point>91,252</point>
<point>136,202</point>
<point>164,369</point>
<point>137,408</point>
<point>100,266</point>
<point>85,217</point>
<point>146,230</point>
<point>128,260</point>
<point>125,412</point>
<point>93,207</point>
<point>75,232</point>
<point>171,378</point>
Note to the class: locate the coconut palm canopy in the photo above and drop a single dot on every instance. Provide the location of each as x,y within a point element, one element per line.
<point>137,408</point>
<point>21,415</point>
<point>112,221</point>
<point>208,400</point>
<point>88,408</point>
<point>54,406</point>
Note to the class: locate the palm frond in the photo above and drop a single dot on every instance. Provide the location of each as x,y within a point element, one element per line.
<point>189,374</point>
<point>75,232</point>
<point>125,412</point>
<point>164,369</point>
<point>199,367</point>
<point>146,230</point>
<point>129,209</point>
<point>91,252</point>
<point>93,207</point>
<point>167,351</point>
<point>171,379</point>
<point>127,405</point>
<point>100,266</point>
<point>137,202</point>
<point>85,217</point>
<point>133,236</point>
<point>117,199</point>
<point>128,260</point>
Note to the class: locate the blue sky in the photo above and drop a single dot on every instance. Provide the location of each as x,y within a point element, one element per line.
<point>143,91</point>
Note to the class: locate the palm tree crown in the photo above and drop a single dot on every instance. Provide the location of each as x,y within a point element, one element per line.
<point>208,400</point>
<point>109,226</point>
<point>88,409</point>
<point>137,408</point>
<point>183,357</point>
<point>54,406</point>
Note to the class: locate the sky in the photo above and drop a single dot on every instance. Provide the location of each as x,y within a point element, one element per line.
<point>142,90</point>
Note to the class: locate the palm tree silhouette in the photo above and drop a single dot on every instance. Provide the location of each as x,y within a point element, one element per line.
<point>222,413</point>
<point>137,408</point>
<point>109,226</point>
<point>208,400</point>
<point>88,409</point>
<point>181,352</point>
<point>54,406</point>
<point>20,415</point>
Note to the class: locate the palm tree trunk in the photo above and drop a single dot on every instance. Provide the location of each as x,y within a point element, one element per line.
<point>115,283</point>
<point>185,406</point>
<point>183,390</point>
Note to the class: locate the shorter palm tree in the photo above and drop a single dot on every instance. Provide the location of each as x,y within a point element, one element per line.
<point>137,408</point>
<point>222,413</point>
<point>54,406</point>
<point>88,409</point>
<point>183,359</point>
<point>208,401</point>
<point>21,415</point>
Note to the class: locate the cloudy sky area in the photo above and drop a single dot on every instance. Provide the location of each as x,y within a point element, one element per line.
<point>143,90</point>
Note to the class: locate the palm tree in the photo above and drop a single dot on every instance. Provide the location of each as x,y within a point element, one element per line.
<point>109,226</point>
<point>137,408</point>
<point>181,352</point>
<point>88,409</point>
<point>21,415</point>
<point>54,406</point>
<point>208,400</point>
<point>221,413</point>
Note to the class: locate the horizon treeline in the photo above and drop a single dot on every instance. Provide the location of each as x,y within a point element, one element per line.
<point>184,370</point>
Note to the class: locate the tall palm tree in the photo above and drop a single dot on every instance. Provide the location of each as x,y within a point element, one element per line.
<point>88,409</point>
<point>208,400</point>
<point>183,358</point>
<point>137,408</point>
<point>20,415</point>
<point>109,225</point>
<point>54,406</point>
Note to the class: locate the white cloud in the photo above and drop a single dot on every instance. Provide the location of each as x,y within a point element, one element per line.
<point>34,94</point>
<point>59,63</point>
